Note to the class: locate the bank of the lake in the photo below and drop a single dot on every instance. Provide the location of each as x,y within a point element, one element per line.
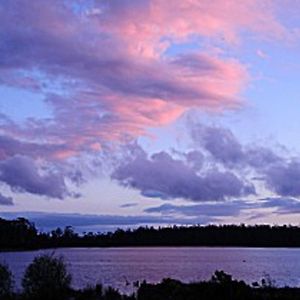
<point>22,234</point>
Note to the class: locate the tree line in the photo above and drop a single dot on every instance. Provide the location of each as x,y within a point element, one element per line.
<point>22,234</point>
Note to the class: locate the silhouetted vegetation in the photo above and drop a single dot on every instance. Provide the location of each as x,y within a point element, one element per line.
<point>18,234</point>
<point>22,234</point>
<point>220,287</point>
<point>6,282</point>
<point>46,278</point>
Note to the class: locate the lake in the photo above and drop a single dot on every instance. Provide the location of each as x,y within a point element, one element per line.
<point>117,267</point>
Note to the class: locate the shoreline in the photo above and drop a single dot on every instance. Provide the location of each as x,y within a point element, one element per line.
<point>148,246</point>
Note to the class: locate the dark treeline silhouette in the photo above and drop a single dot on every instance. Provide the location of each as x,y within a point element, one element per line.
<point>18,234</point>
<point>47,278</point>
<point>21,234</point>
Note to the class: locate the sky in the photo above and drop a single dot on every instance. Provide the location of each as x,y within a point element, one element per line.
<point>121,113</point>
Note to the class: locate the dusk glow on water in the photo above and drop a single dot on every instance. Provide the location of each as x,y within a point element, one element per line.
<point>121,267</point>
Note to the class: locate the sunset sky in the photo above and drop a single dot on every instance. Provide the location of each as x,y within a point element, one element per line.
<point>119,113</point>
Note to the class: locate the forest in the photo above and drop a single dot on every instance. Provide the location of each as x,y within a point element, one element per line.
<point>21,234</point>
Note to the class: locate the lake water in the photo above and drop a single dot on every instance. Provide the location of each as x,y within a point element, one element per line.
<point>117,267</point>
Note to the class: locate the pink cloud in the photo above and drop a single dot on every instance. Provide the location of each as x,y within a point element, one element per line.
<point>143,24</point>
<point>117,80</point>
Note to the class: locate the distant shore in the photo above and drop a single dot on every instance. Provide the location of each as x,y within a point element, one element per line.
<point>22,235</point>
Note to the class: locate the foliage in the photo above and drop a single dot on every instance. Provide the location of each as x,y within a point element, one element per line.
<point>17,234</point>
<point>6,282</point>
<point>46,278</point>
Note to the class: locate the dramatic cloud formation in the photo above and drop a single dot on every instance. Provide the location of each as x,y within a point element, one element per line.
<point>281,175</point>
<point>107,88</point>
<point>218,168</point>
<point>163,176</point>
<point>108,70</point>
<point>103,66</point>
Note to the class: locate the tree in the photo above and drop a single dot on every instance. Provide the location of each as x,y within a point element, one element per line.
<point>69,232</point>
<point>46,278</point>
<point>6,282</point>
<point>57,233</point>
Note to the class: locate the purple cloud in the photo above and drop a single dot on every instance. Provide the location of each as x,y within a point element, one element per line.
<point>283,205</point>
<point>217,210</point>
<point>163,176</point>
<point>218,168</point>
<point>226,149</point>
<point>6,200</point>
<point>105,58</point>
<point>21,174</point>
<point>220,143</point>
<point>284,178</point>
<point>195,159</point>
<point>278,173</point>
<point>10,146</point>
<point>230,208</point>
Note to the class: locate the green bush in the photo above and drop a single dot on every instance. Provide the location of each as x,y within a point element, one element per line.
<point>6,282</point>
<point>46,278</point>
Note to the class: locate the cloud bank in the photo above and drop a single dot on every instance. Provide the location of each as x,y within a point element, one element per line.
<point>108,71</point>
<point>163,176</point>
<point>217,168</point>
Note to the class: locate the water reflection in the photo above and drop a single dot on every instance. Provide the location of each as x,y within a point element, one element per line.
<point>121,267</point>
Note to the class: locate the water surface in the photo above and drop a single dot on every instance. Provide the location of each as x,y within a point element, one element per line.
<point>120,267</point>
